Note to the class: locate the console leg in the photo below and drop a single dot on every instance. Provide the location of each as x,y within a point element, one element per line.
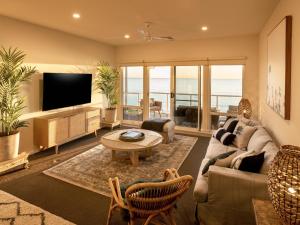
<point>56,149</point>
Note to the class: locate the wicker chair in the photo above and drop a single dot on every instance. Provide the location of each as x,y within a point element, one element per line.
<point>155,106</point>
<point>146,201</point>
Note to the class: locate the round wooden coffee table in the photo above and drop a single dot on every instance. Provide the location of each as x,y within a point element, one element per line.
<point>112,141</point>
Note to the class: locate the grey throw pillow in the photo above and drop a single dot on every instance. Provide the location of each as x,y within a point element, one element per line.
<point>213,160</point>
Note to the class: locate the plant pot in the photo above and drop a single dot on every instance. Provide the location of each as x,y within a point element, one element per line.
<point>110,115</point>
<point>9,146</point>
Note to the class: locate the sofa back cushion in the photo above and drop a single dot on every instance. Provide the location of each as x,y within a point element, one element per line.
<point>249,122</point>
<point>270,150</point>
<point>258,140</point>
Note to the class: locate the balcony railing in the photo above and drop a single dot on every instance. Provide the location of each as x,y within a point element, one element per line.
<point>219,102</point>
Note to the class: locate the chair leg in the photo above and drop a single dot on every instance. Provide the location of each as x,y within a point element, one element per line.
<point>131,222</point>
<point>110,212</point>
<point>197,222</point>
<point>172,220</point>
<point>149,219</point>
<point>166,219</point>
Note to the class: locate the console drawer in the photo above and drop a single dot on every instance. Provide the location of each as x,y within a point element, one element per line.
<point>93,124</point>
<point>93,113</point>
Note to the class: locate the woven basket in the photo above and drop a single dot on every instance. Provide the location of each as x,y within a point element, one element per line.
<point>245,108</point>
<point>284,184</point>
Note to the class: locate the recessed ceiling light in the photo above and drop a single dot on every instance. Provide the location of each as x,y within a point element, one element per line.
<point>76,15</point>
<point>126,36</point>
<point>204,28</point>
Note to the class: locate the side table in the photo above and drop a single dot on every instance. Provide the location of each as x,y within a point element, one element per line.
<point>265,213</point>
<point>110,125</point>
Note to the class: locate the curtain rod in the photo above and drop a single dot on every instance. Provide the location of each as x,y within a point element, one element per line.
<point>207,60</point>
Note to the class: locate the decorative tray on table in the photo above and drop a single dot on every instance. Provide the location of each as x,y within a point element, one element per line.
<point>132,136</point>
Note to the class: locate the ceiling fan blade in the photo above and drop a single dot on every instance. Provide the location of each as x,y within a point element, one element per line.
<point>141,31</point>
<point>168,38</point>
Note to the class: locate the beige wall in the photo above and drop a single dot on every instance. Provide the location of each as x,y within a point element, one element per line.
<point>285,131</point>
<point>220,48</point>
<point>50,51</point>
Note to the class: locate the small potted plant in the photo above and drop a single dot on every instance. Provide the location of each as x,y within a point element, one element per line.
<point>106,82</point>
<point>12,75</point>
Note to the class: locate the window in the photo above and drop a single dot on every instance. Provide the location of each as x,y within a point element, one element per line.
<point>132,93</point>
<point>226,91</point>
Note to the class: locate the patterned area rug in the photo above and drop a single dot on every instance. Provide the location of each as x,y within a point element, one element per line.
<point>14,211</point>
<point>91,169</point>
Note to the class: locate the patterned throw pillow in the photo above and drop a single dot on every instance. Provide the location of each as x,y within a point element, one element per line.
<point>230,124</point>
<point>243,134</point>
<point>226,138</point>
<point>219,133</point>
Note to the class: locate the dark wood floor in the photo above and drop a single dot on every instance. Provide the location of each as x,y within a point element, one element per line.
<point>84,207</point>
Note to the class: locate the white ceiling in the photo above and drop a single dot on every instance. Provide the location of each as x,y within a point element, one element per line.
<point>108,21</point>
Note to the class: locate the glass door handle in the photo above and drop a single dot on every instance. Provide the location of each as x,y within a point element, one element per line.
<point>172,95</point>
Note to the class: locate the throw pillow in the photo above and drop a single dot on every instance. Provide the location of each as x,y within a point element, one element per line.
<point>235,163</point>
<point>243,134</point>
<point>252,163</point>
<point>230,124</point>
<point>213,160</point>
<point>224,137</point>
<point>219,133</point>
<point>226,162</point>
<point>227,138</point>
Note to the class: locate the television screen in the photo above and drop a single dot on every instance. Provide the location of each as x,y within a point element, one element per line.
<point>66,89</point>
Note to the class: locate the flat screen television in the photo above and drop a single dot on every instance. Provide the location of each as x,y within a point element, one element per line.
<point>66,89</point>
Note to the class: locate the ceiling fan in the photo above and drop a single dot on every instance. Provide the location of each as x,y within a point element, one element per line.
<point>148,36</point>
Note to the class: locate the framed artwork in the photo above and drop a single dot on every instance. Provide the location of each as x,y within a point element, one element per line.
<point>279,68</point>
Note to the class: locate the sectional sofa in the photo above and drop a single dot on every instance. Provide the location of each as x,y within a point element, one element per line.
<point>225,195</point>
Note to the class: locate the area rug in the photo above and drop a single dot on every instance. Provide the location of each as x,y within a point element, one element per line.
<point>14,211</point>
<point>92,169</point>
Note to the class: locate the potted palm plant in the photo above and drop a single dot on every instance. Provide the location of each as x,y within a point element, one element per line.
<point>12,75</point>
<point>106,82</point>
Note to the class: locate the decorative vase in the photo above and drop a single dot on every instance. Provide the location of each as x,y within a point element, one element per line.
<point>245,108</point>
<point>110,115</point>
<point>284,184</point>
<point>9,146</point>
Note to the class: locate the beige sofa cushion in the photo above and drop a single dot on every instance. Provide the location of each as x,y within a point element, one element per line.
<point>258,140</point>
<point>270,150</point>
<point>249,122</point>
<point>201,186</point>
<point>215,148</point>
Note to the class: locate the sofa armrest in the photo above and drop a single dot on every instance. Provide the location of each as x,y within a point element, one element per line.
<point>235,188</point>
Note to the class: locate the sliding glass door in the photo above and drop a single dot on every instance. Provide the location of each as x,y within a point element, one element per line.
<point>226,92</point>
<point>132,93</point>
<point>159,91</point>
<point>196,97</point>
<point>187,100</point>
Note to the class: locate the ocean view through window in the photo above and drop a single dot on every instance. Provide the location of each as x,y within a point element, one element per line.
<point>226,90</point>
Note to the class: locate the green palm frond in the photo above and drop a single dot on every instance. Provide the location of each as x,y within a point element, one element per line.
<point>12,75</point>
<point>106,82</point>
